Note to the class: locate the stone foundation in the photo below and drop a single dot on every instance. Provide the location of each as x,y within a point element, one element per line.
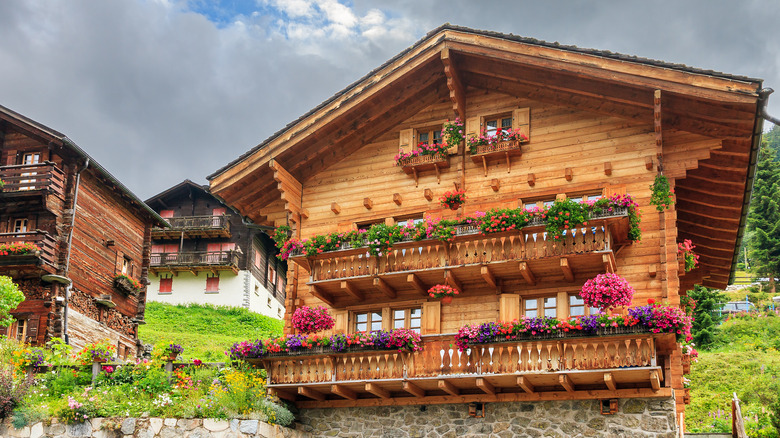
<point>560,419</point>
<point>153,428</point>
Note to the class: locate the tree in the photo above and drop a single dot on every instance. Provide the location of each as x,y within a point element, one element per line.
<point>705,320</point>
<point>764,218</point>
<point>10,297</point>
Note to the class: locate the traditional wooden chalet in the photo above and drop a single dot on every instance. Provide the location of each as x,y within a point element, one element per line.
<point>76,240</point>
<point>596,123</point>
<point>209,254</point>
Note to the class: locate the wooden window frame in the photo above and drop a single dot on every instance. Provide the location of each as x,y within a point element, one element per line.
<point>212,283</point>
<point>369,321</point>
<point>166,285</point>
<point>15,329</point>
<point>430,131</point>
<point>407,318</point>
<point>498,118</point>
<point>24,225</point>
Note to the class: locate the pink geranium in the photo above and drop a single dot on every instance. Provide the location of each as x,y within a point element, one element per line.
<point>606,291</point>
<point>312,320</point>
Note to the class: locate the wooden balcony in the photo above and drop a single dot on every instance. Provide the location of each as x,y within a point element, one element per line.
<point>44,259</point>
<point>421,163</point>
<point>194,227</point>
<point>32,179</point>
<point>609,366</point>
<point>471,260</point>
<point>503,150</point>
<point>194,262</point>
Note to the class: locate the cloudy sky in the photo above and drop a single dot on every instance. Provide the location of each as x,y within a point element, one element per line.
<point>162,90</point>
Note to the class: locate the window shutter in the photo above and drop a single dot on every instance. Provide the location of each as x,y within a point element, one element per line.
<point>614,190</point>
<point>406,140</point>
<point>472,127</point>
<point>521,120</point>
<point>509,307</point>
<point>431,318</point>
<point>120,257</point>
<point>341,324</point>
<point>32,329</point>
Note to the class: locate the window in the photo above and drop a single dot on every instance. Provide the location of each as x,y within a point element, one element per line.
<point>493,123</point>
<point>538,307</point>
<point>20,226</point>
<point>212,283</point>
<point>259,259</point>
<point>19,329</point>
<point>271,275</point>
<point>429,135</point>
<point>31,158</point>
<point>166,285</point>
<point>531,307</point>
<point>550,308</point>
<point>166,214</point>
<point>269,302</point>
<point>577,307</point>
<point>216,220</point>
<point>408,318</point>
<point>127,267</point>
<point>368,321</point>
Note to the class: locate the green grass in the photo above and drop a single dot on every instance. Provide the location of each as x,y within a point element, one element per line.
<point>205,331</point>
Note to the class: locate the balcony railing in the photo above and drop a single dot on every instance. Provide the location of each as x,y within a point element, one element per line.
<point>32,177</point>
<point>194,226</point>
<point>531,368</point>
<point>45,257</point>
<point>472,255</point>
<point>194,261</point>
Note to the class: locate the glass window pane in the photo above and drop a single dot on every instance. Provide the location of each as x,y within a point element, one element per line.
<point>398,323</point>
<point>376,325</point>
<point>436,137</point>
<point>376,316</point>
<point>399,314</point>
<point>423,137</point>
<point>575,300</point>
<point>416,313</point>
<point>577,311</point>
<point>551,313</point>
<point>361,317</point>
<point>549,302</point>
<point>360,327</point>
<point>506,122</point>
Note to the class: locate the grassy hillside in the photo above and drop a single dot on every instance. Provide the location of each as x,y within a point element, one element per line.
<point>746,360</point>
<point>205,331</point>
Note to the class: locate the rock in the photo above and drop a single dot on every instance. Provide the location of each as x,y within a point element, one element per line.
<point>19,433</point>
<point>199,432</point>
<point>36,430</point>
<point>156,424</point>
<point>170,422</point>
<point>79,429</point>
<point>189,423</point>
<point>214,425</point>
<point>248,426</point>
<point>128,426</point>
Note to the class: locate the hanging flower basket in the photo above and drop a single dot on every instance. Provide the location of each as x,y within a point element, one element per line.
<point>446,293</point>
<point>312,320</point>
<point>453,200</point>
<point>607,291</point>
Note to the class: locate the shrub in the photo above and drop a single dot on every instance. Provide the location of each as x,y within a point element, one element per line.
<point>11,392</point>
<point>10,295</point>
<point>76,411</point>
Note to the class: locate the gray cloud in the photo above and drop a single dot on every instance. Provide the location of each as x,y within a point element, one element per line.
<point>158,93</point>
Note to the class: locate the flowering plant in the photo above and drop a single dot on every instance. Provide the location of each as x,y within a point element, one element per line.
<point>76,411</point>
<point>685,249</point>
<point>452,132</point>
<point>662,193</point>
<point>27,357</point>
<point>505,219</point>
<point>606,291</point>
<point>615,201</point>
<point>423,148</point>
<point>397,339</point>
<point>311,320</point>
<point>132,282</point>
<point>691,352</point>
<point>564,215</point>
<point>499,136</point>
<point>442,290</point>
<point>18,248</point>
<point>171,350</point>
<point>246,349</point>
<point>100,351</point>
<point>282,235</point>
<point>2,184</point>
<point>453,200</point>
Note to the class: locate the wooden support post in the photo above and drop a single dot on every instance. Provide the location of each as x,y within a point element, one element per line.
<point>451,280</point>
<point>495,184</point>
<point>525,384</point>
<point>485,386</point>
<point>368,203</point>
<point>655,382</point>
<point>335,208</point>
<point>657,116</point>
<point>413,389</point>
<point>428,193</point>
<point>525,271</point>
<point>397,198</point>
<point>351,290</point>
<point>449,388</point>
<point>488,276</point>
<point>322,295</point>
<point>343,391</point>
<point>608,168</point>
<point>608,262</point>
<point>531,179</point>
<point>377,390</point>
<point>454,84</point>
<point>610,382</point>
<point>417,284</point>
<point>382,286</point>
<point>311,393</point>
<point>567,272</point>
<point>564,380</point>
<point>568,174</point>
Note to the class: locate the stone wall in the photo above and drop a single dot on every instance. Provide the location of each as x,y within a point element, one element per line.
<point>153,428</point>
<point>558,419</point>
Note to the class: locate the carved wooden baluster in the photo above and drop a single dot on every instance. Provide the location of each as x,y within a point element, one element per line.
<point>549,358</point>
<point>599,239</point>
<point>587,239</point>
<point>611,350</point>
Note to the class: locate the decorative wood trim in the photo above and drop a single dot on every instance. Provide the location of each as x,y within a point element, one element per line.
<point>428,193</point>
<point>527,274</point>
<point>454,84</point>
<point>322,295</point>
<point>351,290</point>
<point>608,168</point>
<point>450,279</point>
<point>495,184</point>
<point>568,174</point>
<point>397,198</point>
<point>567,272</point>
<point>417,284</point>
<point>649,163</point>
<point>565,381</point>
<point>610,382</point>
<point>655,380</point>
<point>488,276</point>
<point>308,391</point>
<point>335,208</point>
<point>531,179</point>
<point>368,203</point>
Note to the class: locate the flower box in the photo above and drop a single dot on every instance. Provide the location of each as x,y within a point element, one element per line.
<point>125,285</point>
<point>496,151</point>
<point>421,163</point>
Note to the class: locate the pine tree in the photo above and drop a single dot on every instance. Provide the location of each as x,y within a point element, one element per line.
<point>764,218</point>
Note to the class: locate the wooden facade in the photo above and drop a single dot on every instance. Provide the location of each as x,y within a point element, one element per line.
<point>69,282</point>
<point>597,124</point>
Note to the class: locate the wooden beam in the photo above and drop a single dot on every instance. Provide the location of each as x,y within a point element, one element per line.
<point>657,118</point>
<point>428,193</point>
<point>307,391</point>
<point>397,198</point>
<point>495,184</point>
<point>567,272</point>
<point>655,381</point>
<point>304,213</point>
<point>413,389</point>
<point>450,279</point>
<point>608,168</point>
<point>449,388</point>
<point>454,84</point>
<point>610,382</point>
<point>531,179</point>
<point>343,391</point>
<point>335,208</point>
<point>488,276</point>
<point>485,386</point>
<point>568,174</point>
<point>368,203</point>
<point>282,394</point>
<point>377,390</point>
<point>351,290</point>
<point>417,284</point>
<point>527,274</point>
<point>564,381</point>
<point>325,297</point>
<point>652,270</point>
<point>609,264</point>
<point>525,384</point>
<point>382,286</point>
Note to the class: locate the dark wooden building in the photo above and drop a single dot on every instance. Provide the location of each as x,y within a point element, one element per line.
<point>82,231</point>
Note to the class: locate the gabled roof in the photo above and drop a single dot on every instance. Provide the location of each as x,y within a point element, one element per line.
<point>703,102</point>
<point>43,132</point>
<point>183,187</point>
